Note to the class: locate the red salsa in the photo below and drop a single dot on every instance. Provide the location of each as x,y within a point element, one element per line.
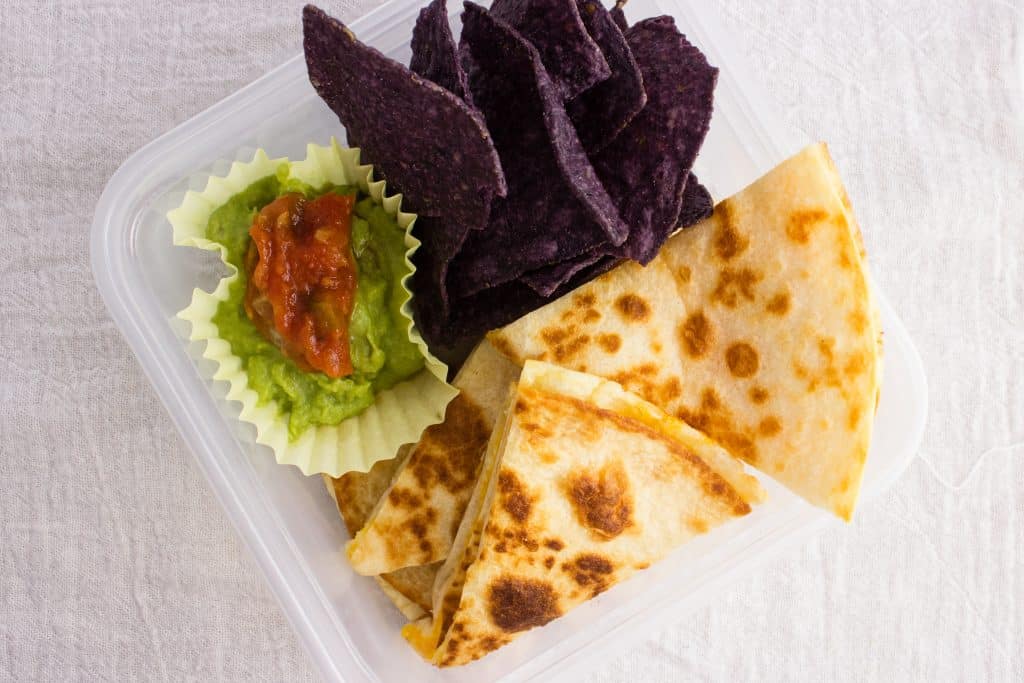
<point>302,279</point>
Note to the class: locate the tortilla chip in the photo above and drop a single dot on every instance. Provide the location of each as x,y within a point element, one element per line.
<point>585,485</point>
<point>545,281</point>
<point>619,18</point>
<point>419,513</point>
<point>425,141</point>
<point>556,207</point>
<point>604,110</point>
<point>646,167</point>
<point>756,326</point>
<point>434,53</point>
<point>697,203</point>
<point>555,28</point>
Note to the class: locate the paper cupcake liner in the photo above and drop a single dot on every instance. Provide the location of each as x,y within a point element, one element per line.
<point>398,415</point>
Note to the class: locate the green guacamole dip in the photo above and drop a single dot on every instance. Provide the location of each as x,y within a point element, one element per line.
<point>382,354</point>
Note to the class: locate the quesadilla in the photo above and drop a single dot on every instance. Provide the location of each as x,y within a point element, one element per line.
<point>582,486</point>
<point>356,494</point>
<point>415,519</point>
<point>757,326</point>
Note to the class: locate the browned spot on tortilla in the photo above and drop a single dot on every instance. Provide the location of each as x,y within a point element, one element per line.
<point>758,395</point>
<point>549,561</point>
<point>729,242</point>
<point>684,274</point>
<point>655,347</point>
<point>514,496</point>
<point>554,335</point>
<point>778,304</point>
<point>554,544</point>
<point>602,500</point>
<point>857,320</point>
<point>504,347</point>
<point>697,335</point>
<point>449,453</point>
<point>585,300</point>
<point>739,445</point>
<point>853,418</point>
<point>697,525</point>
<point>801,223</point>
<point>592,571</point>
<point>742,359</point>
<point>734,284</point>
<point>520,407</point>
<point>633,308</point>
<point>609,342</point>
<point>548,457</point>
<point>670,390</point>
<point>825,346</point>
<point>856,364</point>
<point>516,604</point>
<point>591,315</point>
<point>769,426</point>
<point>572,347</point>
<point>404,498</point>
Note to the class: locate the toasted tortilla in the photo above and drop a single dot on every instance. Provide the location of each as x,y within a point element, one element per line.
<point>356,494</point>
<point>583,485</point>
<point>757,326</point>
<point>416,518</point>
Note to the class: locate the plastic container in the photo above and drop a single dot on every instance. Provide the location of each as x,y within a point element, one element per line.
<point>288,521</point>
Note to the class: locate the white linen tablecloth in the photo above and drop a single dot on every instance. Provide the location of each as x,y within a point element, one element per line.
<point>117,563</point>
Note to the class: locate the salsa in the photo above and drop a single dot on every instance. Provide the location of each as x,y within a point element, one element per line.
<point>302,286</point>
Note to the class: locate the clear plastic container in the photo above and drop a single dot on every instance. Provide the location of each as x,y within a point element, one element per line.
<point>288,521</point>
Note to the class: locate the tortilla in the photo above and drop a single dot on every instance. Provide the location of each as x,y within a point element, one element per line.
<point>556,207</point>
<point>601,112</point>
<point>567,50</point>
<point>756,326</point>
<point>356,494</point>
<point>415,519</point>
<point>434,53</point>
<point>646,167</point>
<point>425,141</point>
<point>586,485</point>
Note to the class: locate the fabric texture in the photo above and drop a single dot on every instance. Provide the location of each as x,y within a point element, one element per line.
<point>116,562</point>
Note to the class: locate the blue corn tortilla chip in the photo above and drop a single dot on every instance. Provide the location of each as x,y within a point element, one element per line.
<point>697,203</point>
<point>556,207</point>
<point>555,28</point>
<point>434,53</point>
<point>645,169</point>
<point>425,141</point>
<point>545,281</point>
<point>619,17</point>
<point>492,308</point>
<point>604,110</point>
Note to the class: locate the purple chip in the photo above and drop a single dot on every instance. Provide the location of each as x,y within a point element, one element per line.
<point>646,167</point>
<point>604,110</point>
<point>697,203</point>
<point>434,54</point>
<point>425,141</point>
<point>619,17</point>
<point>566,49</point>
<point>556,207</point>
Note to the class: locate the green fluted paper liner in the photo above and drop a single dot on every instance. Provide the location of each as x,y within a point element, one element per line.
<point>398,415</point>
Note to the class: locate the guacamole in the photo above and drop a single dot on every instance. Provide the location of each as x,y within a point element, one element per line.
<point>381,353</point>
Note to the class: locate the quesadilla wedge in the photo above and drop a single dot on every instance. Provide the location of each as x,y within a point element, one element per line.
<point>416,518</point>
<point>756,326</point>
<point>582,486</point>
<point>356,494</point>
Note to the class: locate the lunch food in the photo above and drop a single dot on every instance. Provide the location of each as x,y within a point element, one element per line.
<point>595,132</point>
<point>757,327</point>
<point>312,328</point>
<point>724,330</point>
<point>582,486</point>
<point>632,346</point>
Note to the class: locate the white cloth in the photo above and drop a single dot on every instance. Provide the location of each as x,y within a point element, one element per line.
<point>116,562</point>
